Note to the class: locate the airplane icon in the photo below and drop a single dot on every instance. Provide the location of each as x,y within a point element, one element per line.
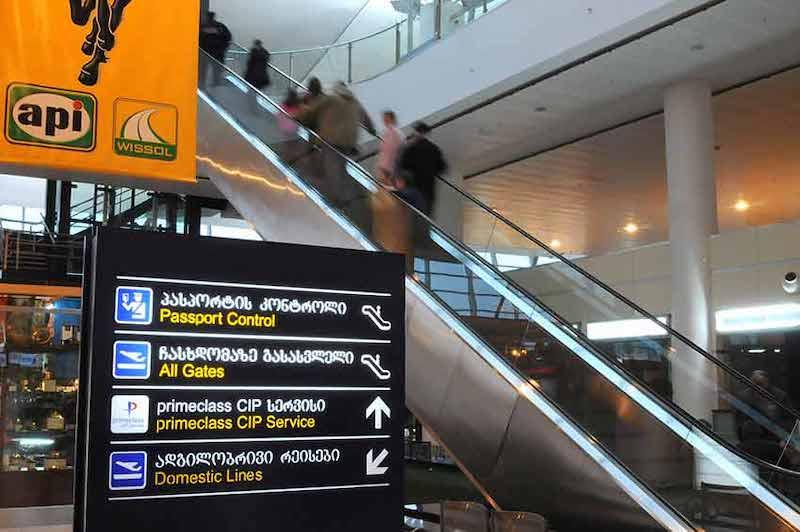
<point>127,470</point>
<point>133,355</point>
<point>136,470</point>
<point>131,360</point>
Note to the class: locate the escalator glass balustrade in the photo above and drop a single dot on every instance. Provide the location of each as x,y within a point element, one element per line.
<point>650,414</point>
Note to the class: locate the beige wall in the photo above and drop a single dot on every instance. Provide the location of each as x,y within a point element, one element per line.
<point>747,269</point>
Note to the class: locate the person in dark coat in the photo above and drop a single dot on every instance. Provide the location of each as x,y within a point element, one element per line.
<point>215,38</point>
<point>423,161</point>
<point>257,73</point>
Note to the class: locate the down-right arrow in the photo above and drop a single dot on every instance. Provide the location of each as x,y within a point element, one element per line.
<point>374,464</point>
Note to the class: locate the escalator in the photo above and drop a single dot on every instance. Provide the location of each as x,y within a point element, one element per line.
<point>539,417</point>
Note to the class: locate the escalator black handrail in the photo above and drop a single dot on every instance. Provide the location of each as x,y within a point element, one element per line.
<point>293,81</point>
<point>743,379</point>
<point>740,377</point>
<point>485,344</point>
<point>724,367</point>
<point>643,388</point>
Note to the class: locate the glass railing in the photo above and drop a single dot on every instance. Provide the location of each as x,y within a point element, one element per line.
<point>365,57</point>
<point>655,418</point>
<point>678,370</point>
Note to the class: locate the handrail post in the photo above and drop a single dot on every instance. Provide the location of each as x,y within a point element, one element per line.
<point>410,31</point>
<point>291,65</point>
<point>350,62</point>
<point>6,238</point>
<point>397,43</point>
<point>437,18</point>
<point>16,258</point>
<point>95,199</point>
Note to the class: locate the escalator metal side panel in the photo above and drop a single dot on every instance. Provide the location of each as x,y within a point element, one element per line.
<point>259,190</point>
<point>537,467</point>
<point>443,368</point>
<point>531,464</point>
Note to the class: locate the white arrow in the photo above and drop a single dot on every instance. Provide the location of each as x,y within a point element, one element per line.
<point>374,464</point>
<point>379,409</point>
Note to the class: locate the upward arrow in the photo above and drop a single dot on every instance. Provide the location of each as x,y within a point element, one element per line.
<point>378,408</point>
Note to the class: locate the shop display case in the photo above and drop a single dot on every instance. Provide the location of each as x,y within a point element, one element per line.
<point>39,344</point>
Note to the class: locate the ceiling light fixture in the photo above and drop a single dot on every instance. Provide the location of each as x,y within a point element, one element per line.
<point>555,243</point>
<point>742,205</point>
<point>631,228</point>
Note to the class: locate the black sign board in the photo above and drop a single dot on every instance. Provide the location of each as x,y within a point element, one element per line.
<point>240,386</point>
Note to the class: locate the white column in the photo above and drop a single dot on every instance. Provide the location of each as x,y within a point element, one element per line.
<point>692,220</point>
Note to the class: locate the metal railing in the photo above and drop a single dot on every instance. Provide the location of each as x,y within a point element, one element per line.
<point>22,251</point>
<point>370,55</point>
<point>106,203</point>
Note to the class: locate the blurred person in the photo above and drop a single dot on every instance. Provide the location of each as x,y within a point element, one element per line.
<point>257,72</point>
<point>336,118</point>
<point>423,161</point>
<point>394,225</point>
<point>215,38</point>
<point>292,105</point>
<point>392,140</point>
<point>314,91</point>
<point>291,147</point>
<point>409,193</point>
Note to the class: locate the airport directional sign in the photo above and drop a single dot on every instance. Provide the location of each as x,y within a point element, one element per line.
<point>232,385</point>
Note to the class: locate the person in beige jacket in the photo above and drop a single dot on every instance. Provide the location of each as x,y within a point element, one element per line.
<point>336,118</point>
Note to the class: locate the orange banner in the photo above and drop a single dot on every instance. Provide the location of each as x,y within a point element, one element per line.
<point>101,86</point>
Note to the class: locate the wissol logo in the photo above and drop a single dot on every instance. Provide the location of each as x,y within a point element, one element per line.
<point>146,130</point>
<point>43,116</point>
<point>106,19</point>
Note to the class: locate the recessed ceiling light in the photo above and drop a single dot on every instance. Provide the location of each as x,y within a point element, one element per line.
<point>742,205</point>
<point>555,243</point>
<point>631,228</point>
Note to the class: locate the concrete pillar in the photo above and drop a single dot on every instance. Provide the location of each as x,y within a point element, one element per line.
<point>692,220</point>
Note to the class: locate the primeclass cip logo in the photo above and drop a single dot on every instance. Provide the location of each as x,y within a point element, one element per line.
<point>130,414</point>
<point>54,118</point>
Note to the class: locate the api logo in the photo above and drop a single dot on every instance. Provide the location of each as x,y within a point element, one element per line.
<point>127,470</point>
<point>130,414</point>
<point>145,130</point>
<point>131,360</point>
<point>134,305</point>
<point>55,118</point>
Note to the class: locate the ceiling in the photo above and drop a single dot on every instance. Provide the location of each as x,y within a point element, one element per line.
<point>584,193</point>
<point>734,42</point>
